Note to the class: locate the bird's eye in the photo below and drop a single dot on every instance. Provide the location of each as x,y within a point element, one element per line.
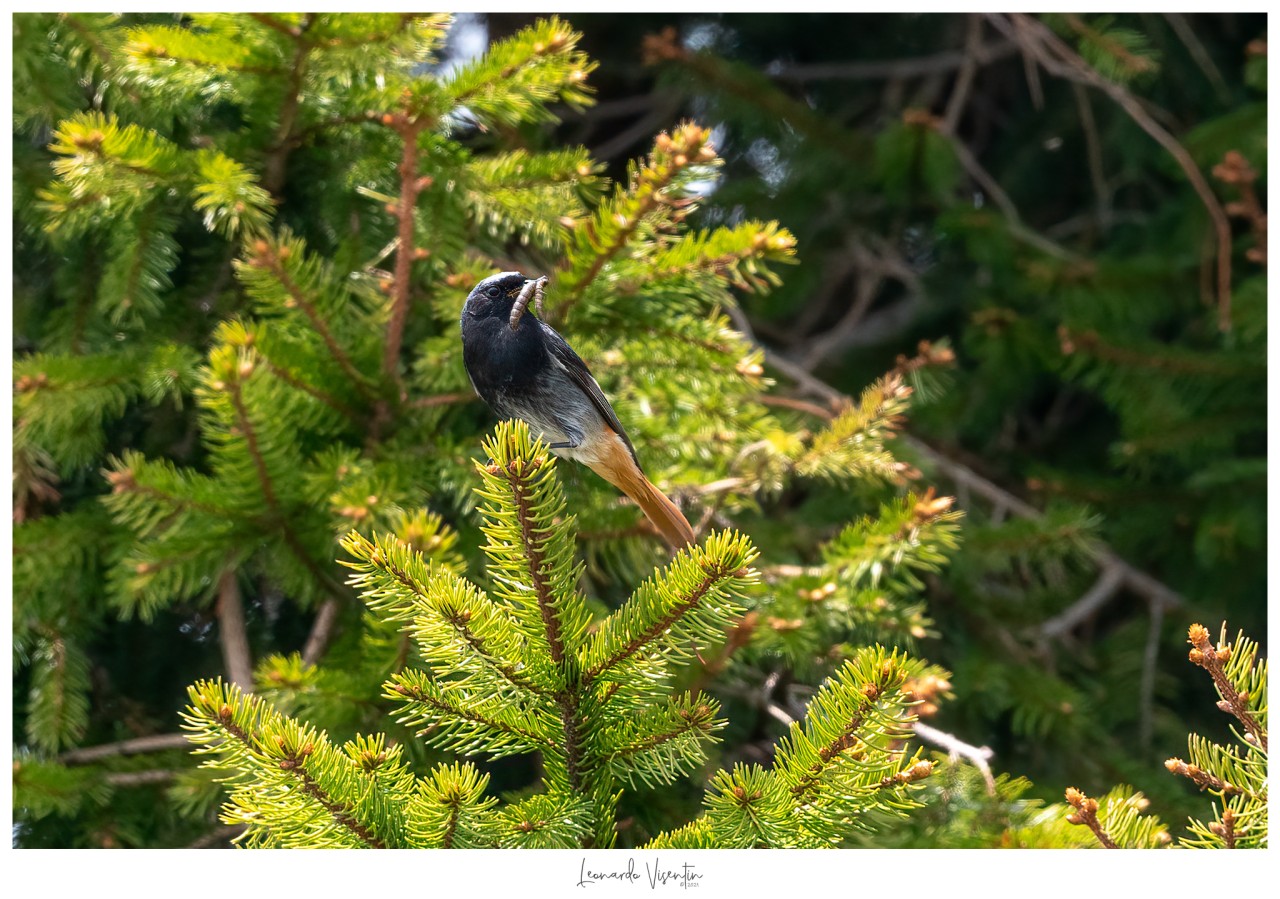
<point>493,292</point>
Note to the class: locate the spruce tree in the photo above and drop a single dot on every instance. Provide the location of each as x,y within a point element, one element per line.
<point>244,242</point>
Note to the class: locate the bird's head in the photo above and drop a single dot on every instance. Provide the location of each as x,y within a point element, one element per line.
<point>494,296</point>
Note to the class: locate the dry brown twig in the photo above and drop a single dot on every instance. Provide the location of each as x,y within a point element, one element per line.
<point>1057,58</point>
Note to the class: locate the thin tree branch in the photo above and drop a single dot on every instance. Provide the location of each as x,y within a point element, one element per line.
<point>1147,686</point>
<point>907,67</point>
<point>1086,813</point>
<point>401,295</point>
<point>224,834</point>
<point>964,79</point>
<point>138,778</point>
<point>321,631</point>
<point>1059,59</point>
<point>283,143</point>
<point>1095,597</point>
<point>136,746</point>
<point>1178,22</point>
<point>271,260</point>
<point>978,755</point>
<point>232,634</point>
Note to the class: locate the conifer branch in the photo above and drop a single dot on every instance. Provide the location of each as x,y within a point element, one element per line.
<point>683,605</point>
<point>278,516</point>
<point>340,811</point>
<point>459,623</point>
<point>1207,657</point>
<point>534,555</point>
<point>1086,814</point>
<point>689,145</point>
<point>436,701</point>
<point>271,258</point>
<point>1205,780</point>
<point>297,383</point>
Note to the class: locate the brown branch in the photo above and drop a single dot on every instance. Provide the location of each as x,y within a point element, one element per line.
<point>321,631</point>
<point>135,746</point>
<point>572,738</point>
<point>138,778</point>
<point>1059,59</point>
<point>340,811</point>
<point>283,143</point>
<point>1226,828</point>
<point>459,625</point>
<point>655,740</point>
<point>296,383</point>
<point>1086,813</point>
<point>411,185</point>
<point>290,31</point>
<point>232,634</point>
<point>907,67</point>
<point>443,399</point>
<point>1201,778</point>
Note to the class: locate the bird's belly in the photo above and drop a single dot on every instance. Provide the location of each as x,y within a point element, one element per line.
<point>568,429</point>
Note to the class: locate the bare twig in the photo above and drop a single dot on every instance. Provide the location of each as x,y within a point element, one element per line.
<point>978,755</point>
<point>908,67</point>
<point>964,79</point>
<point>1147,686</point>
<point>1096,597</point>
<point>224,834</point>
<point>1093,147</point>
<point>1060,60</point>
<point>138,778</point>
<point>1198,53</point>
<point>1017,227</point>
<point>136,746</point>
<point>664,108</point>
<point>232,634</point>
<point>321,631</point>
<point>443,399</point>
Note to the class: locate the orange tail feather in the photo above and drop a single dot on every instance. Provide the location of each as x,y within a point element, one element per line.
<point>620,470</point>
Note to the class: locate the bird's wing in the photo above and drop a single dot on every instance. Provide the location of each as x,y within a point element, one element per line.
<point>576,369</point>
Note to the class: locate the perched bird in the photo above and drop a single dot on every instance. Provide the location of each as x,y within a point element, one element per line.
<point>523,369</point>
